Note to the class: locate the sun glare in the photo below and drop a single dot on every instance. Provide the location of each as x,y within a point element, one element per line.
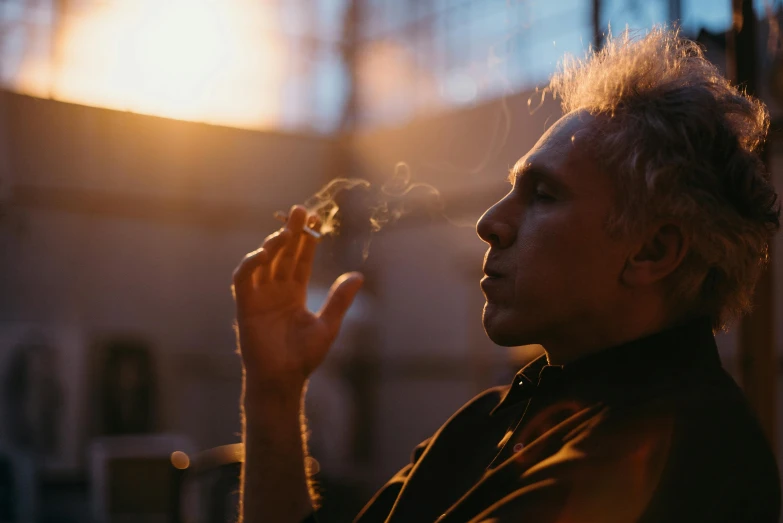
<point>208,61</point>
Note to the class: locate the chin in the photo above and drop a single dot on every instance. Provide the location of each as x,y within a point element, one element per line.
<point>502,339</point>
<point>503,330</point>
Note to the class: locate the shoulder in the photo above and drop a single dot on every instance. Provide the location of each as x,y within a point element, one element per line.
<point>702,425</point>
<point>717,424</point>
<point>713,410</point>
<point>706,412</point>
<point>696,439</point>
<point>716,450</point>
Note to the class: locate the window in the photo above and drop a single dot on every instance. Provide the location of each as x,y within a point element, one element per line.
<point>423,57</point>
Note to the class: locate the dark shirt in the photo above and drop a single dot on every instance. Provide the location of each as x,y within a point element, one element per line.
<point>651,431</point>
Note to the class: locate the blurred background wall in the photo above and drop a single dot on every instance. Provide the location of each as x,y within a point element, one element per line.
<point>144,147</point>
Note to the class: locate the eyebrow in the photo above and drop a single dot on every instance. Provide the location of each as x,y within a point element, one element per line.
<point>537,172</point>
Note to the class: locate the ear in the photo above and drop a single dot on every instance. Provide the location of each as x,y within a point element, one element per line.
<point>657,257</point>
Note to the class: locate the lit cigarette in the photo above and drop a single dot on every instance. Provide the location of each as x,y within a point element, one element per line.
<point>281,216</point>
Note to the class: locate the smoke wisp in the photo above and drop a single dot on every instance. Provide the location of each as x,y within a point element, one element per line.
<point>359,208</point>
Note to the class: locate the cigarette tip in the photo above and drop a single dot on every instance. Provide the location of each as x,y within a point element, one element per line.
<point>314,234</point>
<point>283,217</point>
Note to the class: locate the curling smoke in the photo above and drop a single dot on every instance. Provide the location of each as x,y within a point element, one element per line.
<point>357,207</point>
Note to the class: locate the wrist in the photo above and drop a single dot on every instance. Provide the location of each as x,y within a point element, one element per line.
<point>272,397</point>
<point>275,382</point>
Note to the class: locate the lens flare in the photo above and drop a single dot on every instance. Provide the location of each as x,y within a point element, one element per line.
<point>180,460</point>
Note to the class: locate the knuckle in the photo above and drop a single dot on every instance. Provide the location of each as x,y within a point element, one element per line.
<point>243,263</point>
<point>242,268</point>
<point>276,237</point>
<point>271,237</point>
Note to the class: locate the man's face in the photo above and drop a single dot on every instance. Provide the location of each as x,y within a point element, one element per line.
<point>552,270</point>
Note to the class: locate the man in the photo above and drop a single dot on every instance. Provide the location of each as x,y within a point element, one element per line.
<point>635,228</point>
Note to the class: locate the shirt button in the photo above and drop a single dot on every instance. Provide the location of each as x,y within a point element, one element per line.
<point>518,447</point>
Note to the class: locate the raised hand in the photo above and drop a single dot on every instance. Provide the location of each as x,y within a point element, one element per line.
<point>281,341</point>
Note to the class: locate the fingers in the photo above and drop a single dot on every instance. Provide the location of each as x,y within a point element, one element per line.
<point>284,265</point>
<point>340,297</point>
<point>304,263</point>
<point>260,258</point>
<point>249,263</point>
<point>272,245</point>
<point>284,254</point>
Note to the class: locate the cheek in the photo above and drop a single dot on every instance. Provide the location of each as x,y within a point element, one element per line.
<point>566,252</point>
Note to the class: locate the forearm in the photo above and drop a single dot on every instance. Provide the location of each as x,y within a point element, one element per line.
<point>274,481</point>
<point>281,342</point>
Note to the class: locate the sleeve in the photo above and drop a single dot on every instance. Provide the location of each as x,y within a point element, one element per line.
<point>379,507</point>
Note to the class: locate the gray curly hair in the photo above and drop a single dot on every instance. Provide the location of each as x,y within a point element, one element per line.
<point>682,145</point>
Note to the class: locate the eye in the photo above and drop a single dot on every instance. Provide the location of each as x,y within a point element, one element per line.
<point>543,196</point>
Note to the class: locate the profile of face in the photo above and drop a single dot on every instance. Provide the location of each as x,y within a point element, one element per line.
<point>551,268</point>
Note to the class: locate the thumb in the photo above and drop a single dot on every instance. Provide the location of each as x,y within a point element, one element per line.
<point>340,297</point>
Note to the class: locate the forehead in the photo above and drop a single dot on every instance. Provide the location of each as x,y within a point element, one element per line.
<point>563,149</point>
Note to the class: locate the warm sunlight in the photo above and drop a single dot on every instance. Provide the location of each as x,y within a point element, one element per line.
<point>211,61</point>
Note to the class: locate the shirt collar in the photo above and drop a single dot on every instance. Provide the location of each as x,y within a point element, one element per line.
<point>688,346</point>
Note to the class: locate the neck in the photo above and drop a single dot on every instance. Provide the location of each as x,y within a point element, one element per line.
<point>571,344</point>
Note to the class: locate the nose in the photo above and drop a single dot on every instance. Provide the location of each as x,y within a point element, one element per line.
<point>495,228</point>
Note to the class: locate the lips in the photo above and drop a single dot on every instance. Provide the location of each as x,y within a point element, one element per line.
<point>492,273</point>
<point>491,286</point>
<point>491,282</point>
